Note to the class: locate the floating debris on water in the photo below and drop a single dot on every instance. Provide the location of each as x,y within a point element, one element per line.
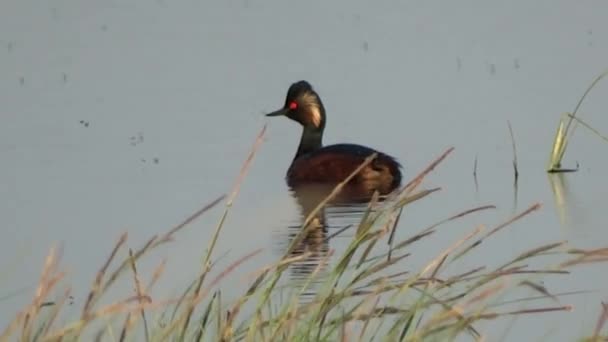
<point>137,139</point>
<point>492,68</point>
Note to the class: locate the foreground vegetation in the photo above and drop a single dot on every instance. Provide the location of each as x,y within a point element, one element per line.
<point>367,293</point>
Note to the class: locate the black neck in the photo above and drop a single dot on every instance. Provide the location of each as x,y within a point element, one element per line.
<point>312,139</point>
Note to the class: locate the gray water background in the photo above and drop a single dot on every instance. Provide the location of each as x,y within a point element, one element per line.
<point>130,116</point>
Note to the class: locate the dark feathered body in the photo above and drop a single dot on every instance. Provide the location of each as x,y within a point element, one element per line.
<point>333,163</point>
<point>315,163</point>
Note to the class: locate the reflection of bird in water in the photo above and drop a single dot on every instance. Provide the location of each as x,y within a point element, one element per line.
<point>314,242</point>
<point>346,209</point>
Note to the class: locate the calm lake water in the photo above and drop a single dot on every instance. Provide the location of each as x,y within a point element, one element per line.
<point>131,116</point>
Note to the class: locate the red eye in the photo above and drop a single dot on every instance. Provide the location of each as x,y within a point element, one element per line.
<point>293,105</point>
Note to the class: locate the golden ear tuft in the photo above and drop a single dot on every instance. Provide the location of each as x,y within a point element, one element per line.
<point>315,116</point>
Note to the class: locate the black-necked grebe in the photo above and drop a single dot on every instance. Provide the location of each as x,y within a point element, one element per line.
<point>315,163</point>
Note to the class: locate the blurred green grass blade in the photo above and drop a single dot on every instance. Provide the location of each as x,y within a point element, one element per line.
<point>589,127</point>
<point>559,146</point>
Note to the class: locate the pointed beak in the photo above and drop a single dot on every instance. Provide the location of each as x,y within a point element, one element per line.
<point>282,111</point>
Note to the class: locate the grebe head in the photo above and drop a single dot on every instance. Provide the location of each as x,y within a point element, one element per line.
<point>303,105</point>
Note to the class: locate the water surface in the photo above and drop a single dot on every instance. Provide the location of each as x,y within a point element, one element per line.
<point>129,117</point>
